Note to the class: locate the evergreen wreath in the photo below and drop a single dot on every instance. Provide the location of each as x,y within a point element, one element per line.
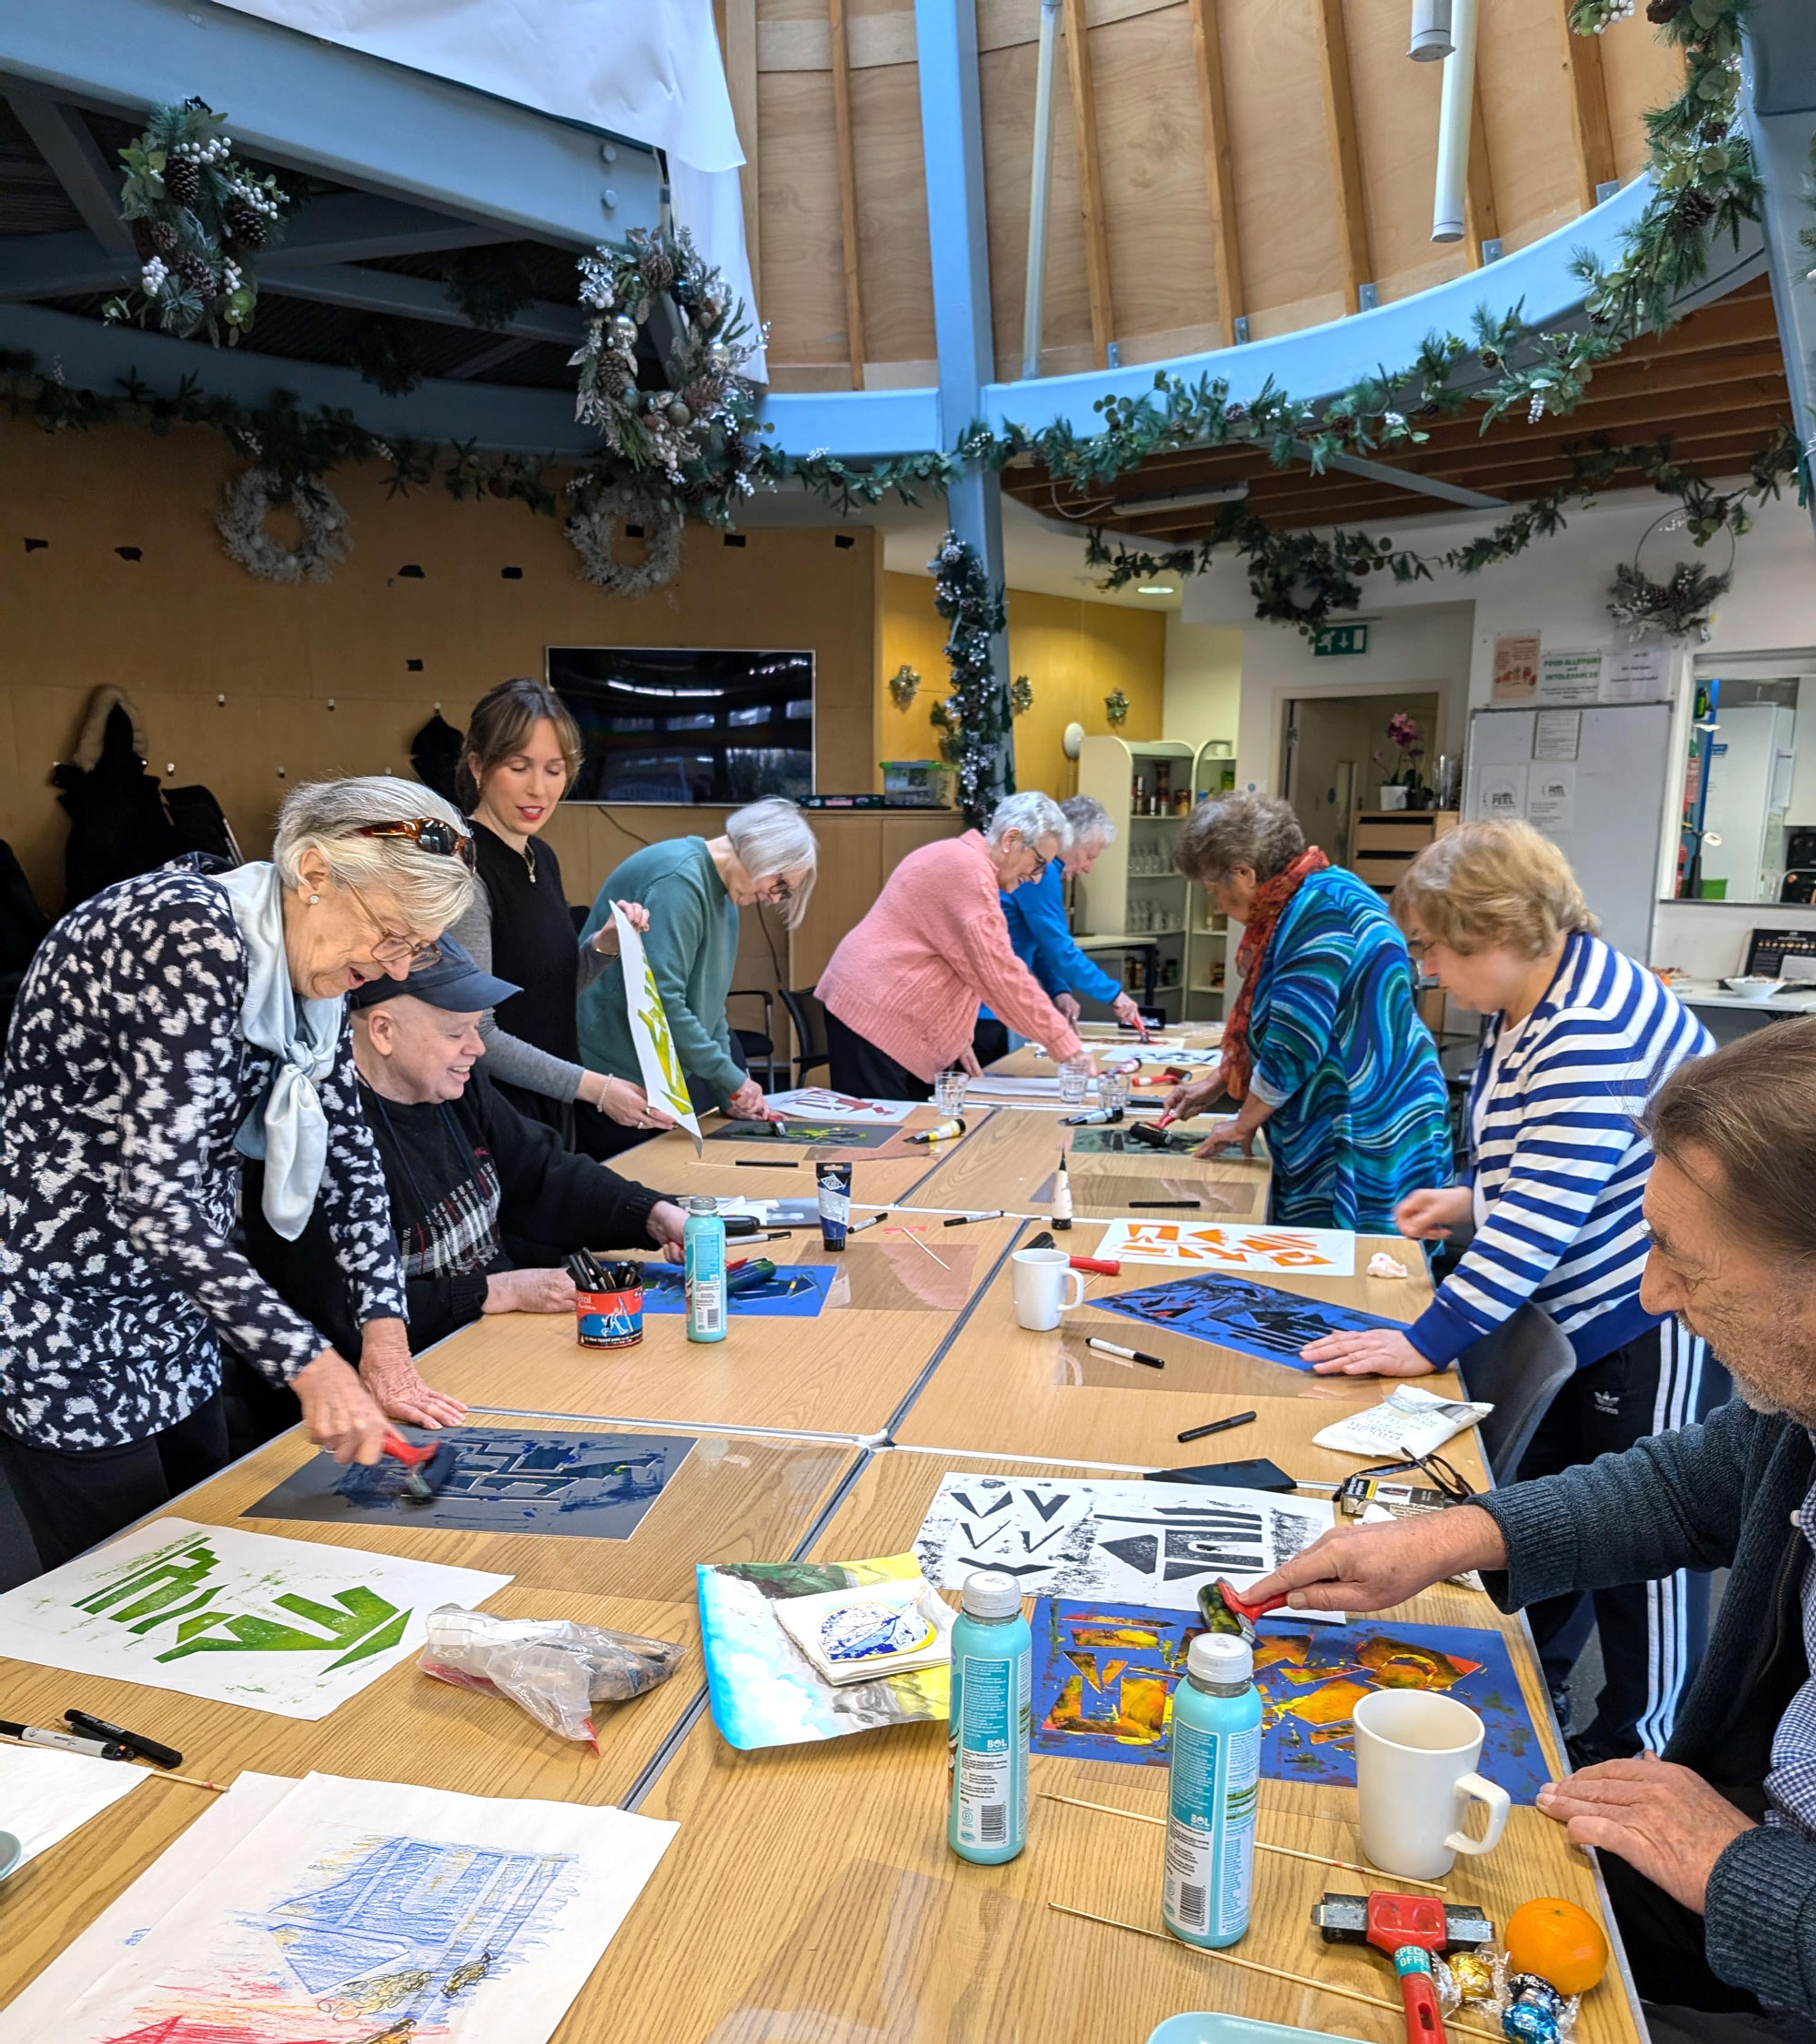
<point>1672,609</point>
<point>977,711</point>
<point>592,526</point>
<point>323,538</point>
<point>198,216</point>
<point>686,445</point>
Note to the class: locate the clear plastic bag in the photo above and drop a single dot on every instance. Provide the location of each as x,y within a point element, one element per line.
<point>554,1668</point>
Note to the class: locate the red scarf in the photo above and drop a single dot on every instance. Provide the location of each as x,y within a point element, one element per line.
<point>1271,897</point>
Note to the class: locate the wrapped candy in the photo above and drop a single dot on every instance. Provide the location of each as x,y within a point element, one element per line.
<point>1529,2022</point>
<point>1536,2013</point>
<point>1474,1974</point>
<point>1533,1988</point>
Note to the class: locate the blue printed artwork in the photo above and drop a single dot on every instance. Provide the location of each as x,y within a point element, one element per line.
<point>598,1485</point>
<point>797,1292</point>
<point>1237,1313</point>
<point>1104,1676</point>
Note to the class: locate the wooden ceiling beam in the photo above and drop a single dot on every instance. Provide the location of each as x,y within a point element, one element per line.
<point>1590,130</point>
<point>1090,180</point>
<point>1345,151</point>
<point>1207,53</point>
<point>1481,222</point>
<point>847,192</point>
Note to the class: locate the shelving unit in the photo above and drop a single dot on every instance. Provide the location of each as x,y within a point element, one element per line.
<point>1208,966</point>
<point>1384,842</point>
<point>1134,890</point>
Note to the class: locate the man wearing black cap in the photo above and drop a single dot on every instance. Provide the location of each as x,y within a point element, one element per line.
<point>482,1198</point>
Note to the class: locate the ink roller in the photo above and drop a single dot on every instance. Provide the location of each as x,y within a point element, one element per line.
<point>1225,1609</point>
<point>428,1465</point>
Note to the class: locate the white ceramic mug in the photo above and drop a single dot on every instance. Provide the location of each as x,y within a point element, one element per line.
<point>1039,1277</point>
<point>1415,1761</point>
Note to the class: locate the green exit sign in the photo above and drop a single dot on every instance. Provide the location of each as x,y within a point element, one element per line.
<point>1333,640</point>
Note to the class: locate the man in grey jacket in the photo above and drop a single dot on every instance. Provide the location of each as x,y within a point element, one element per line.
<point>1710,1849</point>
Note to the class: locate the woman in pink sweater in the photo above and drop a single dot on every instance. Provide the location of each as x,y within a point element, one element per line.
<point>901,992</point>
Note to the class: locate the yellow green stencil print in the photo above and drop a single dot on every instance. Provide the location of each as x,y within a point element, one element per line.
<point>665,1083</point>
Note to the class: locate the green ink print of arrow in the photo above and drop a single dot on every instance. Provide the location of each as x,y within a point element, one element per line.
<point>361,1612</point>
<point>387,1636</point>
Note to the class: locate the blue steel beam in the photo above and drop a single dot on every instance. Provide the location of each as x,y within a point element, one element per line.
<point>296,101</point>
<point>952,143</point>
<point>62,138</point>
<point>1778,103</point>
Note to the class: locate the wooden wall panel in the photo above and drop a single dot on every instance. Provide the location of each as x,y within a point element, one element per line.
<point>1639,70</point>
<point>1151,135</point>
<point>1527,96</point>
<point>1286,207</point>
<point>803,271</point>
<point>891,213</point>
<point>185,625</point>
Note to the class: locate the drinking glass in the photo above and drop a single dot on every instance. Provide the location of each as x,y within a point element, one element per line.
<point>949,1088</point>
<point>1074,1079</point>
<point>1113,1091</point>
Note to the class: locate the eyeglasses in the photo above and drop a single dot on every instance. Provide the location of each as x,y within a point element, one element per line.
<point>1419,946</point>
<point>432,834</point>
<point>1454,1485</point>
<point>393,947</point>
<point>780,889</point>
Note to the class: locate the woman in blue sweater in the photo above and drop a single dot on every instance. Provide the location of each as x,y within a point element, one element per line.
<point>1578,1038</point>
<point>1324,1045</point>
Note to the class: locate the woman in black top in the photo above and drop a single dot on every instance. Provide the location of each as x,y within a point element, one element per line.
<point>522,749</point>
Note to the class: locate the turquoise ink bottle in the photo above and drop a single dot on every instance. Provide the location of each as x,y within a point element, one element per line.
<point>1212,1786</point>
<point>703,1252</point>
<point>992,1680</point>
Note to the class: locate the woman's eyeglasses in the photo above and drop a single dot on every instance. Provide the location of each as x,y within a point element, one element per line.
<point>393,947</point>
<point>432,834</point>
<point>779,890</point>
<point>1454,1485</point>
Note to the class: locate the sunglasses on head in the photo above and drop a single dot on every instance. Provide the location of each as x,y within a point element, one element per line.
<point>431,833</point>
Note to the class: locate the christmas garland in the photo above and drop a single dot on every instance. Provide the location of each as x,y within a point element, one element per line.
<point>198,216</point>
<point>977,711</point>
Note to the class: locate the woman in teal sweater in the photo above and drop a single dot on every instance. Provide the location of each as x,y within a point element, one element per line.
<point>693,889</point>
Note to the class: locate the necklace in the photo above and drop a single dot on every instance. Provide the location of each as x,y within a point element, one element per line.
<point>530,858</point>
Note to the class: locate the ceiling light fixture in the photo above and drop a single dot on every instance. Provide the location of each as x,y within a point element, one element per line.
<point>1183,500</point>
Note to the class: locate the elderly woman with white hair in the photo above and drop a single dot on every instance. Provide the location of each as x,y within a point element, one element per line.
<point>901,992</point>
<point>170,1027</point>
<point>692,889</point>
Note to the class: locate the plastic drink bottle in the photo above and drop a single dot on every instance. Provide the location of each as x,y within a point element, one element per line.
<point>992,1669</point>
<point>703,1252</point>
<point>1211,1793</point>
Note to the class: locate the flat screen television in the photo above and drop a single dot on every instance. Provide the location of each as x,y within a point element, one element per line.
<point>687,725</point>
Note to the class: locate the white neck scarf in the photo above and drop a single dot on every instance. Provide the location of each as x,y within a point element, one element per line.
<point>288,1129</point>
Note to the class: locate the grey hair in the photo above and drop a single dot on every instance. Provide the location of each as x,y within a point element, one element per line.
<point>771,837</point>
<point>1092,824</point>
<point>430,889</point>
<point>1035,815</point>
<point>1228,831</point>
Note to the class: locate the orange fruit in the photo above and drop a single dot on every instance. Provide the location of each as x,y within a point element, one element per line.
<point>1559,1942</point>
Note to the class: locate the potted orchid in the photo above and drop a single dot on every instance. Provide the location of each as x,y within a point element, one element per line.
<point>1401,789</point>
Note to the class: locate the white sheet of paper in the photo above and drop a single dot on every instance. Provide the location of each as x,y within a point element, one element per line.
<point>1320,1252</point>
<point>1551,798</point>
<point>1001,1086</point>
<point>1557,734</point>
<point>355,1906</point>
<point>45,1795</point>
<point>37,2011</point>
<point>1636,673</point>
<point>665,1083</point>
<point>1408,1419</point>
<point>294,1626</point>
<point>1152,1543</point>
<point>1501,798</point>
<point>821,1103</point>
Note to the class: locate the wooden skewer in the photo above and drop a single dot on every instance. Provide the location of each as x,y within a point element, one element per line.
<point>918,1244</point>
<point>1273,1973</point>
<point>1287,1852</point>
<point>188,1780</point>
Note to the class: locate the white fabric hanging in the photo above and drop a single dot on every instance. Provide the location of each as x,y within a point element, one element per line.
<point>649,70</point>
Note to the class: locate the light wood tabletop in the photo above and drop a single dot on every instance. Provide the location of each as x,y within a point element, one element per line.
<point>875,1930</point>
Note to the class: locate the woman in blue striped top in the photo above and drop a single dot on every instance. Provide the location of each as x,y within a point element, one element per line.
<point>1578,1036</point>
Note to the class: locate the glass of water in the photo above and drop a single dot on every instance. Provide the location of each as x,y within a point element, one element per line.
<point>1074,1080</point>
<point>949,1088</point>
<point>1113,1091</point>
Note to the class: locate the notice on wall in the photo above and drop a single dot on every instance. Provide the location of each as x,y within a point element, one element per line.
<point>1551,799</point>
<point>1502,796</point>
<point>1516,668</point>
<point>1571,677</point>
<point>1636,673</point>
<point>1557,734</point>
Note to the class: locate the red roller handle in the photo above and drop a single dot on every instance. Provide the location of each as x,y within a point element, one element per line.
<point>1424,2018</point>
<point>1103,1266</point>
<point>408,1453</point>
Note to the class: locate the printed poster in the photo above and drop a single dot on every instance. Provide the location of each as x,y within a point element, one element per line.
<point>293,1627</point>
<point>665,1083</point>
<point>1501,794</point>
<point>1318,1252</point>
<point>1571,677</point>
<point>1557,734</point>
<point>1551,799</point>
<point>1515,680</point>
<point>822,1104</point>
<point>1636,673</point>
<point>1155,1544</point>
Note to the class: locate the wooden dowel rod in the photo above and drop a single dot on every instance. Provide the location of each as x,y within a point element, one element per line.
<point>1273,1973</point>
<point>188,1780</point>
<point>1288,1852</point>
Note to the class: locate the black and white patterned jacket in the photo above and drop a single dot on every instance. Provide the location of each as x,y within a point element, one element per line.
<point>126,1080</point>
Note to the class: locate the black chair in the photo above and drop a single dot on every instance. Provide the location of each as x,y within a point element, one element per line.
<point>807,1019</point>
<point>1518,1370</point>
<point>760,1045</point>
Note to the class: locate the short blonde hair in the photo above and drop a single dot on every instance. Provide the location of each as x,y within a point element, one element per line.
<point>1485,885</point>
<point>430,889</point>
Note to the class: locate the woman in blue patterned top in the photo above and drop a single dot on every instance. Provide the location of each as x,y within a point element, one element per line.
<point>169,1027</point>
<point>1578,1039</point>
<point>1324,1047</point>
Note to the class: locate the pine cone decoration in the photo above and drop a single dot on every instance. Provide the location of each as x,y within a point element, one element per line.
<point>246,224</point>
<point>1694,209</point>
<point>196,273</point>
<point>656,270</point>
<point>1659,11</point>
<point>183,179</point>
<point>164,238</point>
<point>702,394</point>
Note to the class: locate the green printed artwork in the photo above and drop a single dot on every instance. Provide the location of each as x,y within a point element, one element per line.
<point>664,1082</point>
<point>291,1626</point>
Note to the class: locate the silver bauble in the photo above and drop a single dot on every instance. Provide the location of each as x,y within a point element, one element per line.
<point>679,417</point>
